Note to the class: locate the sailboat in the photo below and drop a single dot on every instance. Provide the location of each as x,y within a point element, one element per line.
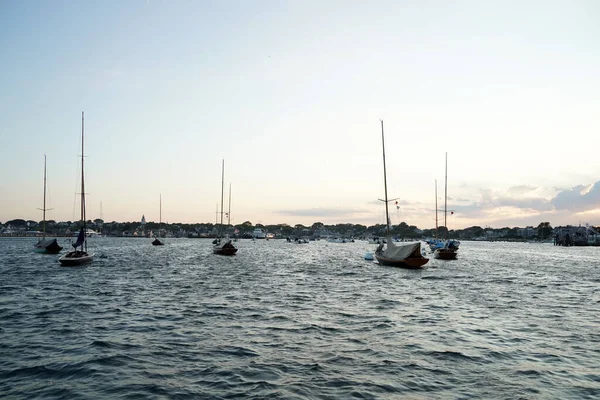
<point>450,248</point>
<point>223,245</point>
<point>403,255</point>
<point>235,232</point>
<point>157,241</point>
<point>48,246</point>
<point>437,242</point>
<point>81,256</point>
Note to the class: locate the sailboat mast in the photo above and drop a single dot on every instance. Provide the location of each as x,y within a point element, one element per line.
<point>222,189</point>
<point>44,209</point>
<point>387,218</point>
<point>436,212</point>
<point>446,197</point>
<point>83,186</point>
<point>229,211</point>
<point>160,211</point>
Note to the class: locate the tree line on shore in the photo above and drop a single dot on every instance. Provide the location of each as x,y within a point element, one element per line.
<point>403,230</point>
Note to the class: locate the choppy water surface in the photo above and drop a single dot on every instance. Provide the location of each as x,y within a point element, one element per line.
<point>280,320</point>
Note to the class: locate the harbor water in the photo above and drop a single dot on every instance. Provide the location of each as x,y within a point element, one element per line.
<point>298,321</point>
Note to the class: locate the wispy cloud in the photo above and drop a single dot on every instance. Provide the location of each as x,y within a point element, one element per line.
<point>400,202</point>
<point>521,189</point>
<point>529,203</point>
<point>323,212</point>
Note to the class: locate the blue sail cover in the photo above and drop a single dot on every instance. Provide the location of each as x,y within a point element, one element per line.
<point>80,239</point>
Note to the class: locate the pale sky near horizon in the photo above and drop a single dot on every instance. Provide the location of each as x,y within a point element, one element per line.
<point>290,94</point>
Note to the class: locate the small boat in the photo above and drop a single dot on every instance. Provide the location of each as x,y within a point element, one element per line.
<point>223,245</point>
<point>47,246</point>
<point>376,240</point>
<point>450,248</point>
<point>449,252</point>
<point>258,233</point>
<point>156,241</point>
<point>403,255</point>
<point>340,240</point>
<point>90,233</point>
<point>435,244</point>
<point>81,256</point>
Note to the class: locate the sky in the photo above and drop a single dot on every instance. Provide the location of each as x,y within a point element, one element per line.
<point>290,94</point>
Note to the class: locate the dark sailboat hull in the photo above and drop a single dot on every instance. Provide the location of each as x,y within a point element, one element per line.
<point>445,254</point>
<point>225,251</point>
<point>410,263</point>
<point>49,246</point>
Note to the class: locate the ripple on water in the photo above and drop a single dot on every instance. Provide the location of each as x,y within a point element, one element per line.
<point>285,321</point>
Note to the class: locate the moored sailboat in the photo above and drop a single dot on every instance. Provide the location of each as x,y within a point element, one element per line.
<point>223,245</point>
<point>81,256</point>
<point>450,248</point>
<point>47,246</point>
<point>436,243</point>
<point>157,241</point>
<point>403,255</point>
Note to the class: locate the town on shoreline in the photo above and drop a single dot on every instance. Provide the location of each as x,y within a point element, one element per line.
<point>564,235</point>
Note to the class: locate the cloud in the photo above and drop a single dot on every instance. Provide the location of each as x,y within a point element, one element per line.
<point>487,196</point>
<point>520,190</point>
<point>527,203</point>
<point>393,202</point>
<point>323,212</point>
<point>518,200</point>
<point>578,198</point>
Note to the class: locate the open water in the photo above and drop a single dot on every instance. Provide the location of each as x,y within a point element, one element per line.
<point>312,321</point>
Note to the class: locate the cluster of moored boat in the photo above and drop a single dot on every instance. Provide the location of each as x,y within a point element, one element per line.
<point>409,254</point>
<point>405,254</point>
<point>79,255</point>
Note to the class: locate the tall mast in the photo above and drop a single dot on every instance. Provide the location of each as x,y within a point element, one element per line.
<point>446,197</point>
<point>229,211</point>
<point>44,209</point>
<point>222,190</point>
<point>160,211</point>
<point>82,186</point>
<point>387,218</point>
<point>436,212</point>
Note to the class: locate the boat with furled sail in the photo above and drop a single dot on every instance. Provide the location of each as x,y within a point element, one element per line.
<point>449,250</point>
<point>223,245</point>
<point>403,255</point>
<point>47,246</point>
<point>157,241</point>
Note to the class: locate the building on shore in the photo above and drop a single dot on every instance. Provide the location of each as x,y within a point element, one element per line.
<point>576,236</point>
